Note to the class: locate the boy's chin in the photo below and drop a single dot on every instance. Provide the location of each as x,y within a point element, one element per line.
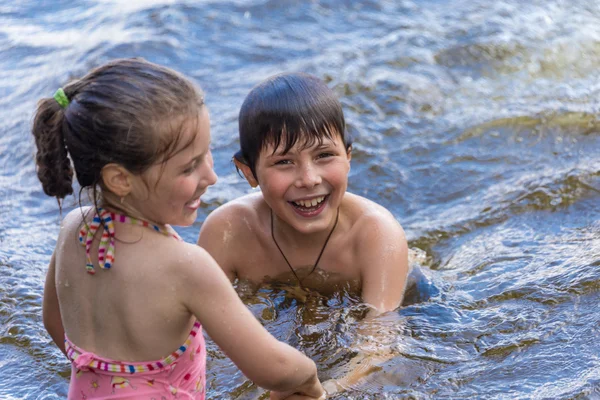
<point>311,225</point>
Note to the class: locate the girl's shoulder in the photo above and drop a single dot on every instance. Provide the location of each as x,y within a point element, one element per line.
<point>75,219</point>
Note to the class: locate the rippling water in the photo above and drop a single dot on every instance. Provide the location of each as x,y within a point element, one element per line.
<point>475,123</point>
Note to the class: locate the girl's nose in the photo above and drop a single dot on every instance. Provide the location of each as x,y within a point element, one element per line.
<point>212,178</point>
<point>211,175</point>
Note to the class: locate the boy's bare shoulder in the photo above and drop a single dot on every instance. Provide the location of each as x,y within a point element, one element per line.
<point>370,219</point>
<point>237,216</point>
<point>365,212</point>
<point>376,234</point>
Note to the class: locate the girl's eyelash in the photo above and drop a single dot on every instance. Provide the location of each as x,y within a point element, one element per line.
<point>191,167</point>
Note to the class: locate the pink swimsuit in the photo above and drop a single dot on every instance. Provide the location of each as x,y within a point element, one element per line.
<point>180,375</point>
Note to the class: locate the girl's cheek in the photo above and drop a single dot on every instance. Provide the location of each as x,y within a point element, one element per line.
<point>192,183</point>
<point>181,184</point>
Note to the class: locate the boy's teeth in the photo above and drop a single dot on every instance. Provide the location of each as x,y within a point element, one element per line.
<point>310,203</point>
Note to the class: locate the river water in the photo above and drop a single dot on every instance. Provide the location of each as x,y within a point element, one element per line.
<point>475,123</point>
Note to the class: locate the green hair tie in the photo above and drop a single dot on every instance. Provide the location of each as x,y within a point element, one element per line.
<point>61,98</point>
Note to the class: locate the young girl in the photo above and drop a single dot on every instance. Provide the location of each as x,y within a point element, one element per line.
<point>303,225</point>
<point>125,299</point>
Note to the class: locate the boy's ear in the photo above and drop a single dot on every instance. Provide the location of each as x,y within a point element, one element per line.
<point>117,179</point>
<point>349,152</point>
<point>246,171</point>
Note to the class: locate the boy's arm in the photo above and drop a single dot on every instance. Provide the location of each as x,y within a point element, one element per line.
<point>51,310</point>
<point>383,261</point>
<point>383,257</point>
<point>216,237</point>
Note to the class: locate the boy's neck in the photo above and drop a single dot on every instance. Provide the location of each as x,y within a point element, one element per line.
<point>291,238</point>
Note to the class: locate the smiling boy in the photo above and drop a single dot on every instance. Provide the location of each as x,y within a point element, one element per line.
<point>304,226</point>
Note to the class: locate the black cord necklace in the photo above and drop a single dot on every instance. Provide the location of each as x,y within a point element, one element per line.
<point>337,217</point>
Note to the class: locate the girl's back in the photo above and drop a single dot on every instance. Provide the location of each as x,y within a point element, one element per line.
<point>131,311</point>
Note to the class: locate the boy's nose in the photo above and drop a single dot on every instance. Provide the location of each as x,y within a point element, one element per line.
<point>308,177</point>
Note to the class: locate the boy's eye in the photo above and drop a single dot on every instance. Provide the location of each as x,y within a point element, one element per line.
<point>325,155</point>
<point>283,162</point>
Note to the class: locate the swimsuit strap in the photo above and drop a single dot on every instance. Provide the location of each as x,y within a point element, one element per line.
<point>83,359</point>
<point>106,249</point>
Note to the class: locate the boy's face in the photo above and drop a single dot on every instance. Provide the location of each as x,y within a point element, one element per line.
<point>305,186</point>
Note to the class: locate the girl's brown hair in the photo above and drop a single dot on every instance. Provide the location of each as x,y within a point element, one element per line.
<point>129,112</point>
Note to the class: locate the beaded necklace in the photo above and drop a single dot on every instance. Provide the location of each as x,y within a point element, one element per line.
<point>106,249</point>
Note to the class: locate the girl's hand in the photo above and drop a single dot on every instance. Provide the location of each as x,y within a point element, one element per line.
<point>311,390</point>
<point>298,397</point>
<point>277,396</point>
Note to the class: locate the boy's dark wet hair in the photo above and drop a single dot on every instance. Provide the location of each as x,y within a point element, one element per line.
<point>129,112</point>
<point>286,109</point>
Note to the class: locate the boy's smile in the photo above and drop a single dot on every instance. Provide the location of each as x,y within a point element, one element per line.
<point>310,207</point>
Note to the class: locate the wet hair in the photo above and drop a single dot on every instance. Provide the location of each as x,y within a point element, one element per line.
<point>129,112</point>
<point>287,109</point>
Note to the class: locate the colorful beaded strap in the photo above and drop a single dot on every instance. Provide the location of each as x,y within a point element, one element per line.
<point>85,359</point>
<point>106,249</point>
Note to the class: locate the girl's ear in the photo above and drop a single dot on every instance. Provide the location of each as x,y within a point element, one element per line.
<point>116,179</point>
<point>246,171</point>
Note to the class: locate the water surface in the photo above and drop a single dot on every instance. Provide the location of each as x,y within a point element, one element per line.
<point>475,123</point>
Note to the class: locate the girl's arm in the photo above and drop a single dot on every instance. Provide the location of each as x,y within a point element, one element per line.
<point>269,363</point>
<point>51,310</point>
